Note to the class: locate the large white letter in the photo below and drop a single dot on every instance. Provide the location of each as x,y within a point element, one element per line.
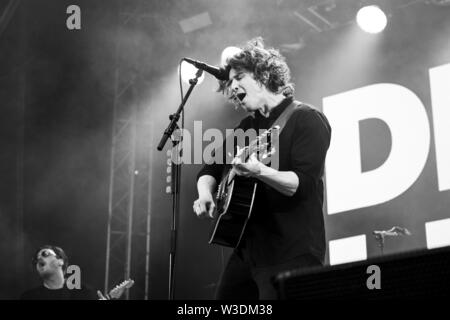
<point>347,186</point>
<point>440,98</point>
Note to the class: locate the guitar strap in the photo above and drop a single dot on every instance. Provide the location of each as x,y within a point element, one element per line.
<point>285,115</point>
<point>280,121</point>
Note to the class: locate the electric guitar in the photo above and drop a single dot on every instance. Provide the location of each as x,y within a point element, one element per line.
<point>117,291</point>
<point>235,194</point>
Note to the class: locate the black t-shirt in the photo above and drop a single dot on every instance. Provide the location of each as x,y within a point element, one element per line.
<point>283,227</point>
<point>43,293</point>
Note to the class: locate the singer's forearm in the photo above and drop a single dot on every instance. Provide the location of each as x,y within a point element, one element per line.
<point>285,182</point>
<point>206,185</point>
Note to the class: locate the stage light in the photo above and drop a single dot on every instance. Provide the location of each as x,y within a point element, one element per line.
<point>371,19</point>
<point>188,72</point>
<point>227,53</point>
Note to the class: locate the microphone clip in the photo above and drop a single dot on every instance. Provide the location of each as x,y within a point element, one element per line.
<point>194,80</point>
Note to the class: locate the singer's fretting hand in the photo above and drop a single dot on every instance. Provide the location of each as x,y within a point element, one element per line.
<point>251,168</point>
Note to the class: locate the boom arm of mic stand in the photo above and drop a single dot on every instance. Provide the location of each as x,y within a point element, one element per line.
<point>174,117</point>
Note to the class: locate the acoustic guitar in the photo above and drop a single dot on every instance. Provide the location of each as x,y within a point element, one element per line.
<point>235,194</point>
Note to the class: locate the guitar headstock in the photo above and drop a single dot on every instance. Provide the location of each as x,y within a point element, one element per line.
<point>118,290</point>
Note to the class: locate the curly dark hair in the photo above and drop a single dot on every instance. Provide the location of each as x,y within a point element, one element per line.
<point>267,65</point>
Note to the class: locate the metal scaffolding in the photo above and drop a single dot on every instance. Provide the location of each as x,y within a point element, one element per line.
<point>129,209</point>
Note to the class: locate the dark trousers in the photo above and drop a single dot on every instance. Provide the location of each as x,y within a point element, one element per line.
<point>242,281</point>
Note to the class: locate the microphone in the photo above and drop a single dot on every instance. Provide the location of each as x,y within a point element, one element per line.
<point>219,73</point>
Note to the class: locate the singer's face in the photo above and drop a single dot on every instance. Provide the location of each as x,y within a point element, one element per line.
<point>245,90</point>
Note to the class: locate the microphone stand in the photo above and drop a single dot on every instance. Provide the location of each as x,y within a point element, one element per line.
<point>380,239</point>
<point>393,232</point>
<point>176,181</point>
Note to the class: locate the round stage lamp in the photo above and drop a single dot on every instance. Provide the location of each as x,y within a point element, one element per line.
<point>371,19</point>
<point>188,72</point>
<point>228,53</point>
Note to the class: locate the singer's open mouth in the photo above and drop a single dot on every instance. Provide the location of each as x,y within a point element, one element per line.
<point>241,96</point>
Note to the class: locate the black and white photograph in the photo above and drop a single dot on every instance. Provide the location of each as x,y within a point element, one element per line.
<point>224,157</point>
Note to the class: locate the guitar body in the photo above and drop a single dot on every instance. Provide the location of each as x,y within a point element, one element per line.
<point>236,195</point>
<point>235,199</point>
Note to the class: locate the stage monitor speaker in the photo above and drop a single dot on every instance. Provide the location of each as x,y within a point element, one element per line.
<point>416,274</point>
